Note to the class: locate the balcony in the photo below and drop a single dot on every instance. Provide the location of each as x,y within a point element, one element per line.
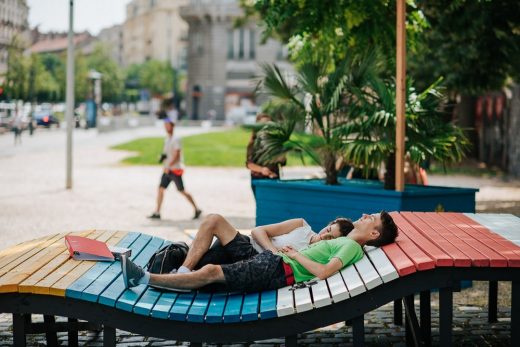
<point>200,9</point>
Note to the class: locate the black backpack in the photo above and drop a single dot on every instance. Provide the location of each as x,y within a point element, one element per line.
<point>168,258</point>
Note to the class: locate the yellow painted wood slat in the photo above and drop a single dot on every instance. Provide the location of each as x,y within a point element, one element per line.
<point>42,286</point>
<point>29,254</point>
<point>60,286</point>
<point>10,250</point>
<point>10,280</point>
<point>44,271</point>
<point>14,252</point>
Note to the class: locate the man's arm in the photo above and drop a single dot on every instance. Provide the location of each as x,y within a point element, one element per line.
<point>263,234</point>
<point>322,271</point>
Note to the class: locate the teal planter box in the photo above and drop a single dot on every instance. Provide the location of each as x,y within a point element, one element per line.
<point>319,203</point>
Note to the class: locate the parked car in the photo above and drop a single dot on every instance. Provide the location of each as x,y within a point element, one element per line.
<point>45,118</point>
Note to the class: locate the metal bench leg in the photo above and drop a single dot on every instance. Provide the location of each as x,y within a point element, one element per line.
<point>291,341</point>
<point>515,313</point>
<point>492,301</point>
<point>445,316</point>
<point>426,319</point>
<point>109,337</point>
<point>413,331</point>
<point>72,333</point>
<point>398,312</point>
<point>19,325</point>
<point>50,331</point>
<point>195,344</point>
<point>358,331</point>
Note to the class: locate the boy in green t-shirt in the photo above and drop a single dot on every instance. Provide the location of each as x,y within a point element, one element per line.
<point>266,270</point>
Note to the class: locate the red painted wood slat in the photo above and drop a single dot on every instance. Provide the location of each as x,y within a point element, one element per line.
<point>440,237</point>
<point>510,252</point>
<point>439,257</point>
<point>457,237</point>
<point>399,260</point>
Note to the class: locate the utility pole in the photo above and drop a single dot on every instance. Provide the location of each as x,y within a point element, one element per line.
<point>69,113</point>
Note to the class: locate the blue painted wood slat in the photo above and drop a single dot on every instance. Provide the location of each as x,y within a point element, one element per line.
<point>76,289</point>
<point>216,308</point>
<point>129,297</point>
<point>268,304</point>
<point>233,308</point>
<point>181,306</point>
<point>198,308</point>
<point>105,280</point>
<point>250,307</point>
<point>164,304</point>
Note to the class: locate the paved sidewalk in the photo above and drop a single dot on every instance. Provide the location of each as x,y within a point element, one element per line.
<point>109,195</point>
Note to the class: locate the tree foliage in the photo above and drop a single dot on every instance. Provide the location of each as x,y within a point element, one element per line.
<point>156,76</point>
<point>474,45</point>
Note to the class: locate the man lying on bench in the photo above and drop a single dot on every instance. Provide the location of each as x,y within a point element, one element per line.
<point>266,270</point>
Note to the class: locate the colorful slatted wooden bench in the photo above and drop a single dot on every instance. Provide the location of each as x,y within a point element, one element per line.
<point>433,250</point>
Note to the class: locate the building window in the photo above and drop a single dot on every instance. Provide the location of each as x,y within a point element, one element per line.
<point>230,45</point>
<point>252,44</point>
<point>241,44</point>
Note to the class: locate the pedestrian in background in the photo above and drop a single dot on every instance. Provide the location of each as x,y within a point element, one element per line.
<point>173,169</point>
<point>258,172</point>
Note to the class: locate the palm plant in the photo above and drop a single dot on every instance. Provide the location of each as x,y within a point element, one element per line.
<point>370,137</point>
<point>353,111</point>
<point>321,100</point>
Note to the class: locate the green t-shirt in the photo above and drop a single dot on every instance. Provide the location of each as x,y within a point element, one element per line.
<point>343,248</point>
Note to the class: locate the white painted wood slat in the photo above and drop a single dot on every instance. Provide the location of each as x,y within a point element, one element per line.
<point>302,299</point>
<point>337,287</point>
<point>382,264</point>
<point>352,280</point>
<point>285,303</point>
<point>320,294</point>
<point>368,273</point>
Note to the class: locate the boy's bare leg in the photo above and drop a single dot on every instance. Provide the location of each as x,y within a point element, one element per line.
<point>212,225</point>
<point>191,280</point>
<point>190,199</point>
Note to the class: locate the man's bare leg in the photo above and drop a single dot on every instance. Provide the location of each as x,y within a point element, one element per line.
<point>192,280</point>
<point>212,225</point>
<point>160,196</point>
<point>189,198</point>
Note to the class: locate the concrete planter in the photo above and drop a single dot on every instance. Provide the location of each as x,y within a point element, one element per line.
<point>319,203</point>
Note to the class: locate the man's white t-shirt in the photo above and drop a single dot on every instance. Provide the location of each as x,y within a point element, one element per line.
<point>172,144</point>
<point>297,238</point>
<point>173,115</point>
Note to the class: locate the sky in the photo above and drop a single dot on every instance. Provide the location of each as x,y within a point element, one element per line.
<point>91,15</point>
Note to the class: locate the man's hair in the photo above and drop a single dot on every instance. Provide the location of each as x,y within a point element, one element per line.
<point>387,231</point>
<point>345,225</point>
<point>263,115</point>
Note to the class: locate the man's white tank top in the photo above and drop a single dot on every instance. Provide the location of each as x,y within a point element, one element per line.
<point>297,238</point>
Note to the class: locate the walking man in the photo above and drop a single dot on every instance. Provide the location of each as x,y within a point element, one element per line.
<point>173,168</point>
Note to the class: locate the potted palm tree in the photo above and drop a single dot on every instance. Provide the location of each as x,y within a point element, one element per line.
<point>352,111</point>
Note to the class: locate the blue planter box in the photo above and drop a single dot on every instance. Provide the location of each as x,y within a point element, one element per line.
<point>319,203</point>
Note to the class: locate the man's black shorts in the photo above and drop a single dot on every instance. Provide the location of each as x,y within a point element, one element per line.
<point>264,271</point>
<point>167,178</point>
<point>240,248</point>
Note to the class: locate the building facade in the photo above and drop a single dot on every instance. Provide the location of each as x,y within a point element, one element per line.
<point>14,28</point>
<point>112,38</point>
<point>153,29</point>
<point>223,60</point>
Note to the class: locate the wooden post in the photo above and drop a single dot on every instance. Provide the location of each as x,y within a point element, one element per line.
<point>400,97</point>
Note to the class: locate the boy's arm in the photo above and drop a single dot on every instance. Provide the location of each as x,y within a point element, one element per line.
<point>263,234</point>
<point>322,271</point>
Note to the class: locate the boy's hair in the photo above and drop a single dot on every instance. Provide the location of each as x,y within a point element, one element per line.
<point>345,225</point>
<point>387,231</point>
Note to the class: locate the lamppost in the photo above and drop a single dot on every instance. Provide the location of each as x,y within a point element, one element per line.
<point>69,112</point>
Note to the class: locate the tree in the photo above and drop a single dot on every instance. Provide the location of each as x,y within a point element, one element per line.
<point>156,76</point>
<point>16,77</point>
<point>474,45</point>
<point>331,29</point>
<point>112,82</point>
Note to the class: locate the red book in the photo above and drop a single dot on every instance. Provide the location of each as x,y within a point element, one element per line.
<point>83,248</point>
